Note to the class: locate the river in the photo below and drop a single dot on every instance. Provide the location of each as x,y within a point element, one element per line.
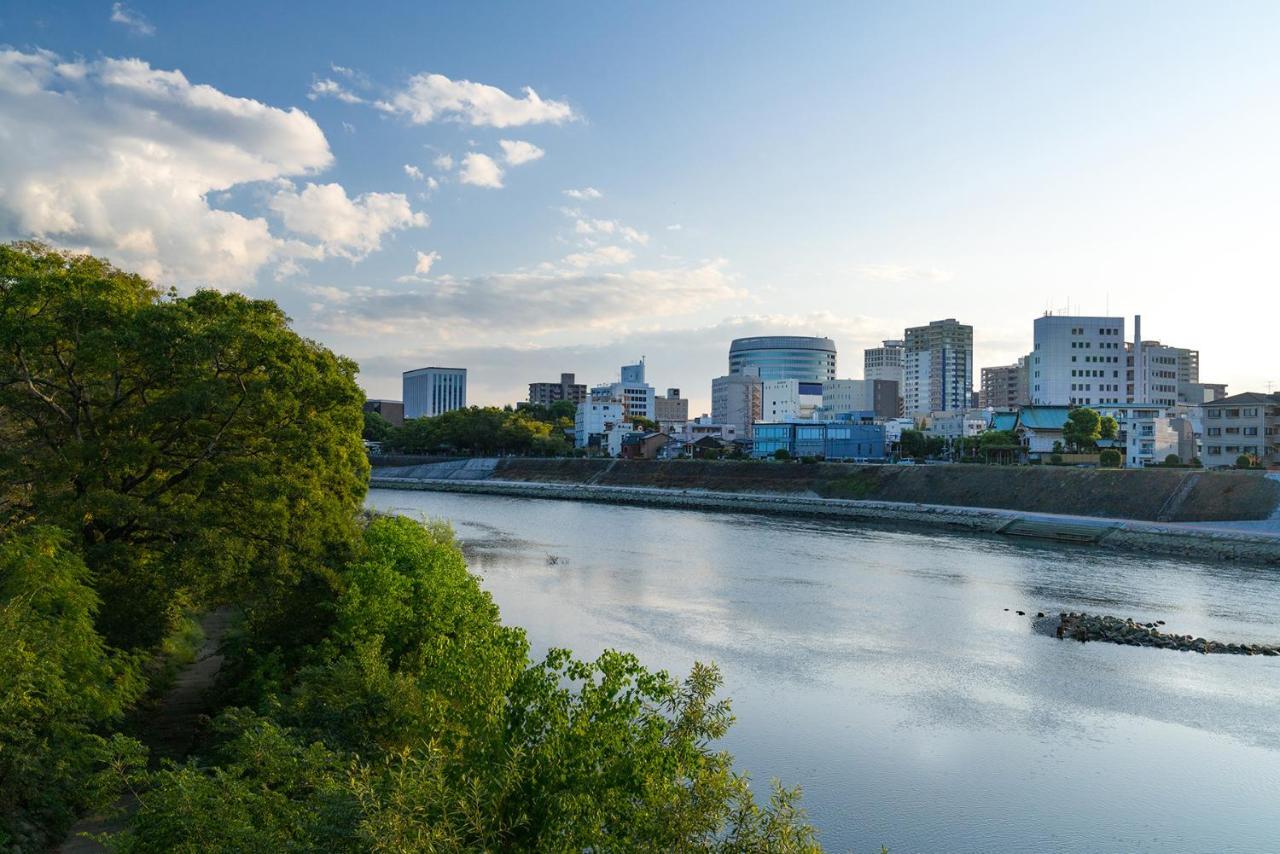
<point>888,673</point>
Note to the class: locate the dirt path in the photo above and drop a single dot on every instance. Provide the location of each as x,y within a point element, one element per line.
<point>170,731</point>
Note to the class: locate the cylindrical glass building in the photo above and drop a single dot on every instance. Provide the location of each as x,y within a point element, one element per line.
<point>785,357</point>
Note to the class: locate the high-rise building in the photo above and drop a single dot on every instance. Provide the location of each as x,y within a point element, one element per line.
<point>879,397</point>
<point>671,407</point>
<point>1078,361</point>
<point>1005,386</point>
<point>635,395</point>
<point>938,367</point>
<point>885,362</point>
<point>784,357</point>
<point>737,399</point>
<point>429,392</point>
<point>545,394</point>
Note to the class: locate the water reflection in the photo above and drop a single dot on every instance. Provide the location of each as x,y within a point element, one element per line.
<point>881,670</point>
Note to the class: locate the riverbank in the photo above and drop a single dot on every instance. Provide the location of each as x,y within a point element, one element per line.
<point>1185,540</point>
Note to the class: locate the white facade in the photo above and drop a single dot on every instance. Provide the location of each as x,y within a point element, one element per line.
<point>636,396</point>
<point>704,426</point>
<point>789,400</point>
<point>1078,361</point>
<point>893,428</point>
<point>595,417</point>
<point>954,425</point>
<point>1147,431</point>
<point>429,392</point>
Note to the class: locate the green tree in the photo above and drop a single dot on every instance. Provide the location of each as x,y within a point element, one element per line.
<point>648,425</point>
<point>60,688</point>
<point>782,454</point>
<point>1173,460</point>
<point>1244,461</point>
<point>1110,458</point>
<point>376,428</point>
<point>1082,429</point>
<point>194,445</point>
<point>1108,427</point>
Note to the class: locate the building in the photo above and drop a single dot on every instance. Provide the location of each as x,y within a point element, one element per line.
<point>429,392</point>
<point>867,395</point>
<point>789,400</point>
<point>703,426</point>
<point>1005,386</point>
<point>885,362</point>
<point>737,399</point>
<point>937,367</point>
<point>832,440</point>
<point>391,410</point>
<point>595,418</point>
<point>545,394</point>
<point>1078,361</point>
<point>1146,434</point>
<point>956,425</point>
<point>784,357</point>
<point>636,396</point>
<point>1039,428</point>
<point>1194,394</point>
<point>671,408</point>
<point>1242,424</point>
<point>644,446</point>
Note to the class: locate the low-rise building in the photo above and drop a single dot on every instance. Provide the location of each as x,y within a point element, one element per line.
<point>391,410</point>
<point>790,400</point>
<point>545,394</point>
<point>832,440</point>
<point>644,446</point>
<point>1245,424</point>
<point>956,425</point>
<point>670,408</point>
<point>1145,433</point>
<point>635,395</point>
<point>595,418</point>
<point>1040,428</point>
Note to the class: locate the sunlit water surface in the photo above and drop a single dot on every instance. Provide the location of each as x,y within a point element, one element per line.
<point>882,672</point>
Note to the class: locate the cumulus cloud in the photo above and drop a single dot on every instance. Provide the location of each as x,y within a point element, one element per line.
<point>122,14</point>
<point>586,193</point>
<point>326,87</point>
<point>591,227</point>
<point>444,162</point>
<point>413,172</point>
<point>120,158</point>
<point>530,302</point>
<point>603,256</point>
<point>346,228</point>
<point>425,262</point>
<point>516,151</point>
<point>480,170</point>
<point>432,97</point>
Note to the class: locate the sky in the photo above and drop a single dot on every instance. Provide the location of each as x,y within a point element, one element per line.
<point>528,189</point>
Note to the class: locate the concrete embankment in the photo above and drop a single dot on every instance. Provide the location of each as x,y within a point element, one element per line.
<point>1153,537</point>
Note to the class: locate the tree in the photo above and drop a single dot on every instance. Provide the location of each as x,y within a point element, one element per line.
<point>782,454</point>
<point>1108,427</point>
<point>196,446</point>
<point>1110,458</point>
<point>913,444</point>
<point>1244,461</point>
<point>1173,460</point>
<point>648,425</point>
<point>376,428</point>
<point>1082,429</point>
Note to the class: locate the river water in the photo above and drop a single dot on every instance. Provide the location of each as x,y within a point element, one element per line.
<point>881,671</point>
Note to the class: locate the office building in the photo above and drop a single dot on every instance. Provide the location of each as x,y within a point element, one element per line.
<point>784,357</point>
<point>429,392</point>
<point>545,394</point>
<point>671,408</point>
<point>832,440</point>
<point>635,395</point>
<point>885,362</point>
<point>1005,386</point>
<point>1243,424</point>
<point>938,367</point>
<point>1078,361</point>
<point>879,397</point>
<point>738,400</point>
<point>595,418</point>
<point>391,410</point>
<point>789,400</point>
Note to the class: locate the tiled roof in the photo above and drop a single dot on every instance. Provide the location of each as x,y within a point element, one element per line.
<point>1246,397</point>
<point>1043,417</point>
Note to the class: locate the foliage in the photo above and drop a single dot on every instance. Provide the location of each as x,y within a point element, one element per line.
<point>1058,447</point>
<point>376,428</point>
<point>920,445</point>
<point>1108,427</point>
<point>1173,460</point>
<point>782,454</point>
<point>648,425</point>
<point>194,445</point>
<point>1082,429</point>
<point>1110,458</point>
<point>60,687</point>
<point>1055,459</point>
<point>1244,461</point>
<point>484,431</point>
<point>420,724</point>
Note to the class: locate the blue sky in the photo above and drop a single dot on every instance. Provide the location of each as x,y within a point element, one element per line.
<point>841,169</point>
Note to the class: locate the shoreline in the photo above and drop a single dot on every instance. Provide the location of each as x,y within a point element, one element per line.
<point>1194,540</point>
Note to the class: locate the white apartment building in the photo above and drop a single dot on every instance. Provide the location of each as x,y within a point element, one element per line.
<point>1147,433</point>
<point>954,425</point>
<point>636,396</point>
<point>789,400</point>
<point>937,367</point>
<point>1078,361</point>
<point>595,417</point>
<point>429,392</point>
<point>737,399</point>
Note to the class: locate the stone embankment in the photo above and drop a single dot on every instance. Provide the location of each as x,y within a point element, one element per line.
<point>1096,627</point>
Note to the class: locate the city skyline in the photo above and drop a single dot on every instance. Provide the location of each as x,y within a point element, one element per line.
<point>422,187</point>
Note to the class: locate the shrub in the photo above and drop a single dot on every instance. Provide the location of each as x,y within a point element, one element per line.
<point>1244,461</point>
<point>1055,459</point>
<point>782,454</point>
<point>1110,458</point>
<point>1173,460</point>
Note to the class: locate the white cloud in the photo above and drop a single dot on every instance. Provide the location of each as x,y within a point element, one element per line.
<point>413,172</point>
<point>530,303</point>
<point>480,170</point>
<point>675,227</point>
<point>444,162</point>
<point>119,158</point>
<point>431,97</point>
<point>347,228</point>
<point>602,256</point>
<point>425,262</point>
<point>516,151</point>
<point>327,88</point>
<point>591,227</point>
<point>584,193</point>
<point>122,14</point>
<point>901,273</point>
<point>432,184</point>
